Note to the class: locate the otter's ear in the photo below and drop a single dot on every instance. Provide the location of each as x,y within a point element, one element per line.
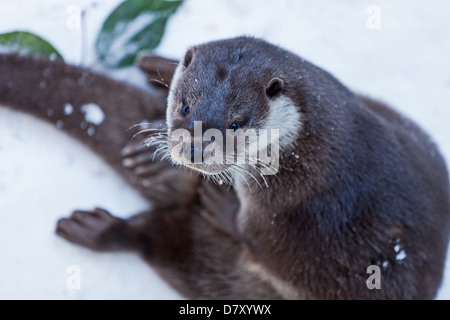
<point>188,57</point>
<point>274,87</point>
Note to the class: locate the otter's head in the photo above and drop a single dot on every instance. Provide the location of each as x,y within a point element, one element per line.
<point>226,90</point>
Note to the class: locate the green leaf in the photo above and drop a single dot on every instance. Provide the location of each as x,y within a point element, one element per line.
<point>135,25</point>
<point>27,43</point>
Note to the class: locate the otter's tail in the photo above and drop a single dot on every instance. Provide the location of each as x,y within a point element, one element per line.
<point>90,107</point>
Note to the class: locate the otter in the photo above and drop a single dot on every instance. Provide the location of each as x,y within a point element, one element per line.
<point>357,185</point>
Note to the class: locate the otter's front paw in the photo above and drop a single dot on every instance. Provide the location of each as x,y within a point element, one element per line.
<point>165,185</point>
<point>220,206</point>
<point>97,230</point>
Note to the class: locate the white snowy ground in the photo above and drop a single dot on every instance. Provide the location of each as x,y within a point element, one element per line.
<point>44,175</point>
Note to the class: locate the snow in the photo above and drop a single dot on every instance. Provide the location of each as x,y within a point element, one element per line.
<point>400,252</point>
<point>44,175</point>
<point>401,255</point>
<point>68,109</point>
<point>93,113</point>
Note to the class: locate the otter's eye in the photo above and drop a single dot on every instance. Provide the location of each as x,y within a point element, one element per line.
<point>185,111</point>
<point>235,126</point>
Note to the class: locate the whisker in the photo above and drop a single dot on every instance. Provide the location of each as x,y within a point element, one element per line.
<point>163,149</point>
<point>270,168</point>
<point>261,175</point>
<point>143,123</point>
<point>161,77</point>
<point>148,130</point>
<point>155,130</point>
<point>237,172</point>
<point>155,135</point>
<point>265,164</point>
<point>160,82</point>
<point>229,177</point>
<point>137,125</point>
<point>249,173</point>
<point>134,126</point>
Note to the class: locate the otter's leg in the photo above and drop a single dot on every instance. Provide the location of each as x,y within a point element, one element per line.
<point>100,231</point>
<point>158,180</point>
<point>150,233</point>
<point>198,260</point>
<point>220,205</point>
<point>201,261</point>
<point>167,186</point>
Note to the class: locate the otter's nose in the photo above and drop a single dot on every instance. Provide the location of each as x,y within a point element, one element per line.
<point>196,155</point>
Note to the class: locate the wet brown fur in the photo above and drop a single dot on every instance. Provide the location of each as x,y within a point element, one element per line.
<point>366,177</point>
<point>358,180</point>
